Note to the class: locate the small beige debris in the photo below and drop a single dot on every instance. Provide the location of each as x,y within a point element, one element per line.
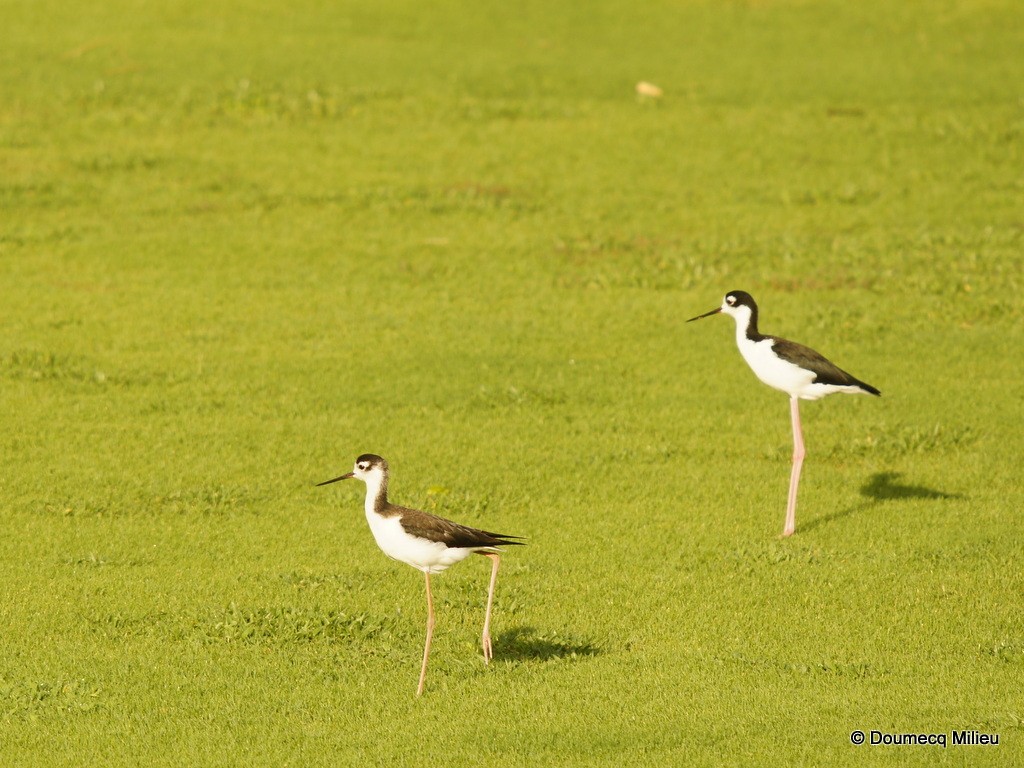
<point>643,88</point>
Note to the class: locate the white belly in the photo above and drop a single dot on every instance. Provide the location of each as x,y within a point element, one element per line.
<point>780,374</point>
<point>776,372</point>
<point>424,555</point>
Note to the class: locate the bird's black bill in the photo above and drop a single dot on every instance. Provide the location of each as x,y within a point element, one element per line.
<point>714,311</point>
<point>343,477</point>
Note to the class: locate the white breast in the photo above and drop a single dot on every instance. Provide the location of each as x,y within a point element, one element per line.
<point>424,555</point>
<point>783,375</point>
<point>776,372</point>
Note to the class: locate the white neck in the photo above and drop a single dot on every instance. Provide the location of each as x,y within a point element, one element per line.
<point>376,490</point>
<point>741,315</point>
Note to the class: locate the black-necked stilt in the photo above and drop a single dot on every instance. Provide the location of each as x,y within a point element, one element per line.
<point>426,542</point>
<point>793,368</point>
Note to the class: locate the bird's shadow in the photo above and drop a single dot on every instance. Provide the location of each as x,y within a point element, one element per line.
<point>883,486</point>
<point>528,644</point>
<point>880,487</point>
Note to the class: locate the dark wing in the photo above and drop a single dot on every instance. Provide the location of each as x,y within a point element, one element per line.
<point>434,528</point>
<point>825,371</point>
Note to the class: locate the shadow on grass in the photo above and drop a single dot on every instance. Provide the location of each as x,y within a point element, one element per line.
<point>882,486</point>
<point>527,644</point>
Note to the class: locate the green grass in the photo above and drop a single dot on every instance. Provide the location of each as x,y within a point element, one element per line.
<point>240,245</point>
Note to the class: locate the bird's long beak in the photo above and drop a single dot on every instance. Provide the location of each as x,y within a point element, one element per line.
<point>714,311</point>
<point>343,477</point>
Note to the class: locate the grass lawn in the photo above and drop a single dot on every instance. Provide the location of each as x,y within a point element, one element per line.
<point>241,245</point>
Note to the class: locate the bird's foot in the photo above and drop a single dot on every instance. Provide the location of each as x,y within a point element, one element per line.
<point>488,650</point>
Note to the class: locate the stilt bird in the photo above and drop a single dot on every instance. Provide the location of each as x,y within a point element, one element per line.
<point>426,542</point>
<point>792,368</point>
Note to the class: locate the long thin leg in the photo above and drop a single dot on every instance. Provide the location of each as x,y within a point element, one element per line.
<point>430,635</point>
<point>488,651</point>
<point>798,462</point>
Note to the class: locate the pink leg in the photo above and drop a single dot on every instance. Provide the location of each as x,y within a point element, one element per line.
<point>798,462</point>
<point>430,635</point>
<point>488,651</point>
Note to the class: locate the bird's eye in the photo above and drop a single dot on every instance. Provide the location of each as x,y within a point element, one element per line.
<point>730,299</point>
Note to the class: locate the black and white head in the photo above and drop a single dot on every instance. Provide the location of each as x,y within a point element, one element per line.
<point>370,468</point>
<point>740,305</point>
<point>737,304</point>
